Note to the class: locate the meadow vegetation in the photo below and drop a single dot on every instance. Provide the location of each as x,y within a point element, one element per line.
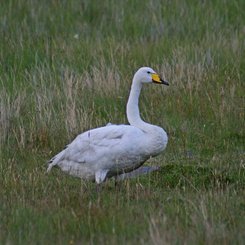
<point>67,66</point>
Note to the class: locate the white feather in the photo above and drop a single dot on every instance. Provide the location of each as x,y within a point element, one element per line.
<point>112,150</point>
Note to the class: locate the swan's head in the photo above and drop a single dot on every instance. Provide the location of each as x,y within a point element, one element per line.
<point>148,75</point>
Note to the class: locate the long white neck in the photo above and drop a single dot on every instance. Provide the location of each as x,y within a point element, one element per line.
<point>133,113</point>
<point>156,138</point>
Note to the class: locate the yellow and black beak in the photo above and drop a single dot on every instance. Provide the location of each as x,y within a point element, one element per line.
<point>157,79</point>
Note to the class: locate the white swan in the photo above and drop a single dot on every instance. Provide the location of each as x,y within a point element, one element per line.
<point>112,150</point>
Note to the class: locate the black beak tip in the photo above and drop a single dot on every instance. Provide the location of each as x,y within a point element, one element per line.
<point>165,82</point>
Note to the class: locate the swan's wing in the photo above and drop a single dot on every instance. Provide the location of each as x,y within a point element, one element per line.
<point>97,144</point>
<point>103,152</point>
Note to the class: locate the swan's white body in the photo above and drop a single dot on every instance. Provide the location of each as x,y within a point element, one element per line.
<point>112,150</point>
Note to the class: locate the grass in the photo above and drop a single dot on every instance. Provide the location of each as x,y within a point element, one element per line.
<point>66,66</point>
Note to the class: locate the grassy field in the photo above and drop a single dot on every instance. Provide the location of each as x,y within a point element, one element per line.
<point>66,66</point>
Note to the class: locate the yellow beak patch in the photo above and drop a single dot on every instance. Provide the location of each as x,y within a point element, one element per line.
<point>156,78</point>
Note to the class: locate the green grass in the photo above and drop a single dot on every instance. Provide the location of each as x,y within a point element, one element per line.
<point>66,66</point>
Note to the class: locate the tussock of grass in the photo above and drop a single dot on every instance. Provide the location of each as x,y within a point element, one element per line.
<point>67,66</point>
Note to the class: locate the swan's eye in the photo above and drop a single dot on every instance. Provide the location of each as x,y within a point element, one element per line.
<point>149,72</point>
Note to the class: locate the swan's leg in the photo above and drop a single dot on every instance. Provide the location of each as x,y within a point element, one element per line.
<point>84,187</point>
<point>98,188</point>
<point>116,181</point>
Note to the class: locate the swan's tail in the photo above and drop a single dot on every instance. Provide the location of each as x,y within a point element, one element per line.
<point>50,165</point>
<point>55,160</point>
